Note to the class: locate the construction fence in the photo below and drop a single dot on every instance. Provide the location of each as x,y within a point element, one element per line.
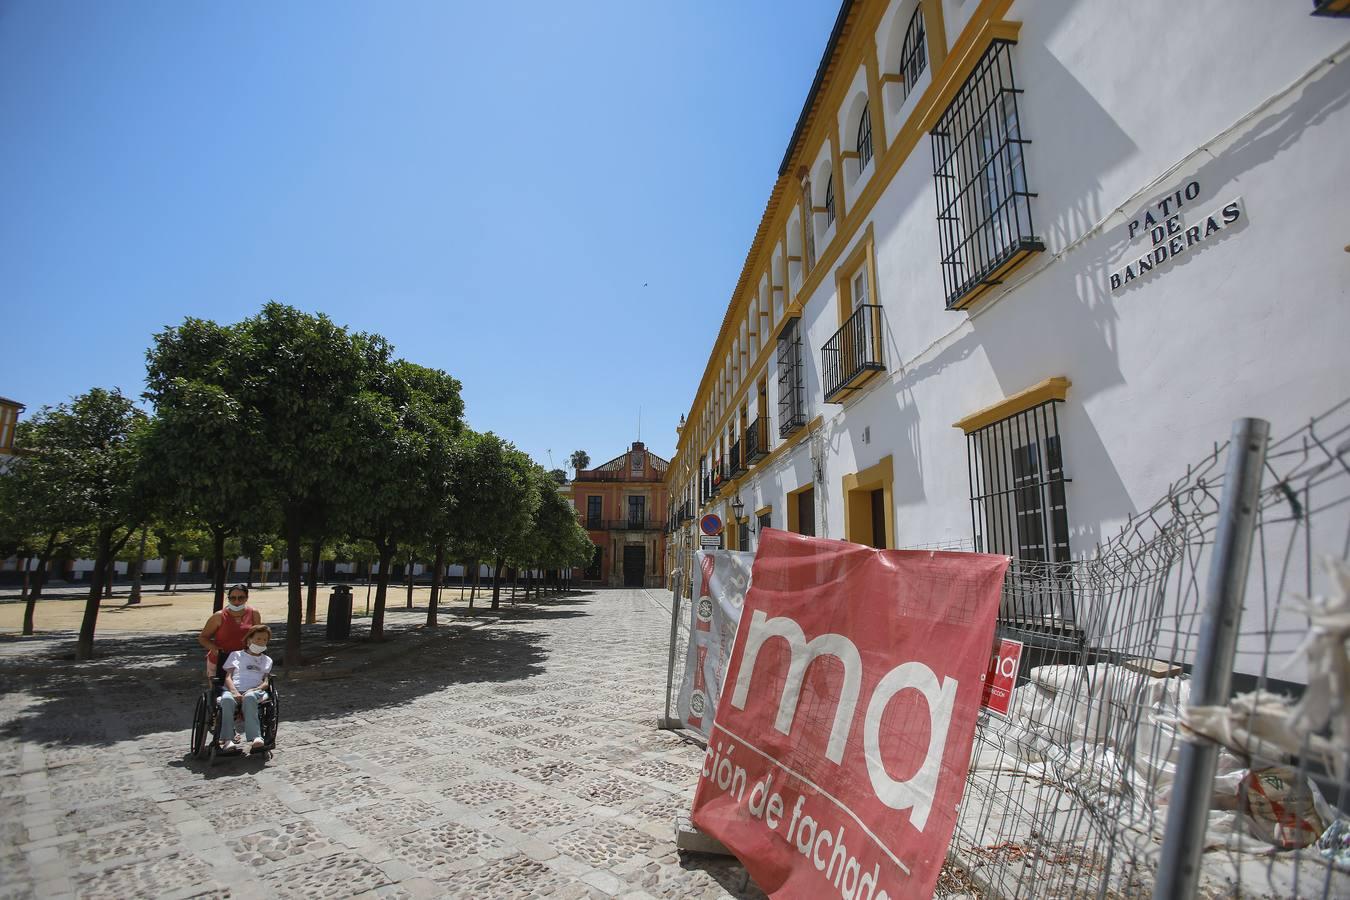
<point>1069,794</point>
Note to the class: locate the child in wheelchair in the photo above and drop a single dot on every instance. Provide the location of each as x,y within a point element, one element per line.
<point>247,674</point>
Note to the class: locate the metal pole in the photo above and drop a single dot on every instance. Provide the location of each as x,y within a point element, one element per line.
<point>677,589</point>
<point>1212,676</point>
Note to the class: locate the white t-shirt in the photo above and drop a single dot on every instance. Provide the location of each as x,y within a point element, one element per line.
<point>249,670</point>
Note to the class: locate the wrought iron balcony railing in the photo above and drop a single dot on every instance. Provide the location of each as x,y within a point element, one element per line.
<point>634,524</point>
<point>756,441</point>
<point>736,466</point>
<point>853,354</point>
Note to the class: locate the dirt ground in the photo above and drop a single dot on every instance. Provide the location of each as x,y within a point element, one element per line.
<point>189,609</point>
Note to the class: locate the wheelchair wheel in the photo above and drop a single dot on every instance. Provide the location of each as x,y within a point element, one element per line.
<point>201,727</point>
<point>273,718</point>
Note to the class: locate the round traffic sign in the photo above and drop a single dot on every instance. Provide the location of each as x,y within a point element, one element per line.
<point>711,525</point>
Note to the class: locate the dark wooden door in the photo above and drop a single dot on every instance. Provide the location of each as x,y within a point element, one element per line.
<point>634,566</point>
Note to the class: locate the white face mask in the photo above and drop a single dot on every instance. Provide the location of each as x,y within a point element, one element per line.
<point>239,608</point>
<point>257,649</point>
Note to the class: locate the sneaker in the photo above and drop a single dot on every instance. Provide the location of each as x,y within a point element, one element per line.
<point>257,744</point>
<point>238,739</point>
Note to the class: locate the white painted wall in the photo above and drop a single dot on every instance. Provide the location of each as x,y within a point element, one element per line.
<point>1252,323</point>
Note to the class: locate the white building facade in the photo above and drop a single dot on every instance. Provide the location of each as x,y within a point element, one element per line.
<point>1024,261</point>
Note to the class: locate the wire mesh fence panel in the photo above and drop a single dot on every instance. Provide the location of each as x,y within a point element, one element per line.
<point>1068,794</point>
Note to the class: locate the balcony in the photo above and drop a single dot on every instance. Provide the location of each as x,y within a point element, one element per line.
<point>736,466</point>
<point>720,477</point>
<point>685,513</point>
<point>756,441</point>
<point>633,524</point>
<point>649,473</point>
<point>852,356</point>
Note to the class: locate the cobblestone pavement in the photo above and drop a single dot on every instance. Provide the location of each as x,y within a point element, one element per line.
<point>515,759</point>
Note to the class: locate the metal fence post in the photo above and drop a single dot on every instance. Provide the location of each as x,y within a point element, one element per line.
<point>1212,675</point>
<point>669,722</point>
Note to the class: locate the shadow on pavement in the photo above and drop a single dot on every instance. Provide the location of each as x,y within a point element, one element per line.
<point>147,683</point>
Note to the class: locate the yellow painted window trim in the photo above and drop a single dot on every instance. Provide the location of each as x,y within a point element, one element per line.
<point>793,523</point>
<point>864,254</point>
<point>763,511</point>
<point>879,476</point>
<point>1055,388</point>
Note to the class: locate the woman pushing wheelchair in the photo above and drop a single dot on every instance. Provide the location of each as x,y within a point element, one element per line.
<point>239,674</point>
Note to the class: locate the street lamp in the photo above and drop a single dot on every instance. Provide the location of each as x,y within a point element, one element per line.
<point>738,510</point>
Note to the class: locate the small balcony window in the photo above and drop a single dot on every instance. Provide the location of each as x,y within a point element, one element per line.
<point>913,52</point>
<point>984,207</point>
<point>864,144</point>
<point>829,201</point>
<point>791,392</point>
<point>853,354</point>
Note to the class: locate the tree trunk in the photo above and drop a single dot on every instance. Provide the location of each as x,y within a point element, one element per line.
<point>108,579</point>
<point>295,596</point>
<point>138,573</point>
<point>312,599</point>
<point>107,552</point>
<point>27,563</point>
<point>218,568</point>
<point>31,603</point>
<point>170,564</point>
<point>436,586</point>
<point>410,580</point>
<point>381,590</point>
<point>497,584</point>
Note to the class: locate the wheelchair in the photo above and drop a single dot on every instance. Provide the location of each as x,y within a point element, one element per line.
<point>207,724</point>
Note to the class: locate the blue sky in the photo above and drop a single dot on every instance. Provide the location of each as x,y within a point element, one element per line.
<point>552,202</point>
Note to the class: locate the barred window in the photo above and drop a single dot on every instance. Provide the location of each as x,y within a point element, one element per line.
<point>1018,508</point>
<point>1017,487</point>
<point>913,52</point>
<point>829,200</point>
<point>984,206</point>
<point>791,393</point>
<point>864,140</point>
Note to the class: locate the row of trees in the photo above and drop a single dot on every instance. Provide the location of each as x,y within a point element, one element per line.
<point>283,428</point>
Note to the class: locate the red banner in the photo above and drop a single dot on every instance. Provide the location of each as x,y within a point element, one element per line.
<point>842,738</point>
<point>1001,678</point>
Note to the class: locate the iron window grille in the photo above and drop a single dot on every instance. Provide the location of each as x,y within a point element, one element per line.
<point>864,140</point>
<point>913,52</point>
<point>743,535</point>
<point>791,393</point>
<point>764,521</point>
<point>735,456</point>
<point>983,205</point>
<point>829,200</point>
<point>756,441</point>
<point>1018,508</point>
<point>852,352</point>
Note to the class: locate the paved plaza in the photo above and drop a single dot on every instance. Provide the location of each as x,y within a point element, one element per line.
<point>512,758</point>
